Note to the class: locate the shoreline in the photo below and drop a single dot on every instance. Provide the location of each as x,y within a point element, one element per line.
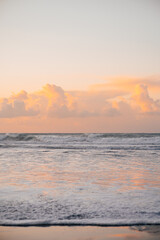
<point>77,225</point>
<point>140,232</point>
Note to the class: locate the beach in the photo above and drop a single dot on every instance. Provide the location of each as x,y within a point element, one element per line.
<point>80,120</point>
<point>80,233</point>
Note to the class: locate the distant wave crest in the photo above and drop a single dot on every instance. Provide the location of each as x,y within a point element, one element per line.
<point>19,137</point>
<point>123,135</point>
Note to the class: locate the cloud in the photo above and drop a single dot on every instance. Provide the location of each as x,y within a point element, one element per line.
<point>144,102</point>
<point>14,108</point>
<point>121,97</point>
<point>131,94</point>
<point>57,102</point>
<point>51,101</point>
<point>124,85</point>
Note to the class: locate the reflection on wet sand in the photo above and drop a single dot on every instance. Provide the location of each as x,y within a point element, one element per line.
<point>151,229</point>
<point>81,233</point>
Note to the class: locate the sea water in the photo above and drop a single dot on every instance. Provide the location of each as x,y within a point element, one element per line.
<point>79,179</point>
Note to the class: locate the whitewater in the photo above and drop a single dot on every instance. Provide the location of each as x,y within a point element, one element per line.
<point>79,179</point>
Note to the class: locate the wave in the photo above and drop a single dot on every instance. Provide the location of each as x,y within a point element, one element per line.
<point>108,149</point>
<point>75,136</point>
<point>27,223</point>
<point>19,137</point>
<point>123,135</point>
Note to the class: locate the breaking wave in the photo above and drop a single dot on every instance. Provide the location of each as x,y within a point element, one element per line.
<point>19,137</point>
<point>102,223</point>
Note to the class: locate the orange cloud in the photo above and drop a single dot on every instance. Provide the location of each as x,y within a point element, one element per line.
<point>144,102</point>
<point>125,85</point>
<point>53,101</point>
<point>109,109</point>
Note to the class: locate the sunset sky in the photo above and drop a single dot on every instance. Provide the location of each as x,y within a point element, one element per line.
<point>80,66</point>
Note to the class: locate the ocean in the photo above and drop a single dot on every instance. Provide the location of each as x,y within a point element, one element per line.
<point>79,179</point>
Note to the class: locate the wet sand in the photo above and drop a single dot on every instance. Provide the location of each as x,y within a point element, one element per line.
<point>80,233</point>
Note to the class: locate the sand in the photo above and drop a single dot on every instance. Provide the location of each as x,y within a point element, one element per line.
<point>80,233</point>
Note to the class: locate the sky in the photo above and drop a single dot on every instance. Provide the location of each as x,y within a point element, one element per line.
<point>79,66</point>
